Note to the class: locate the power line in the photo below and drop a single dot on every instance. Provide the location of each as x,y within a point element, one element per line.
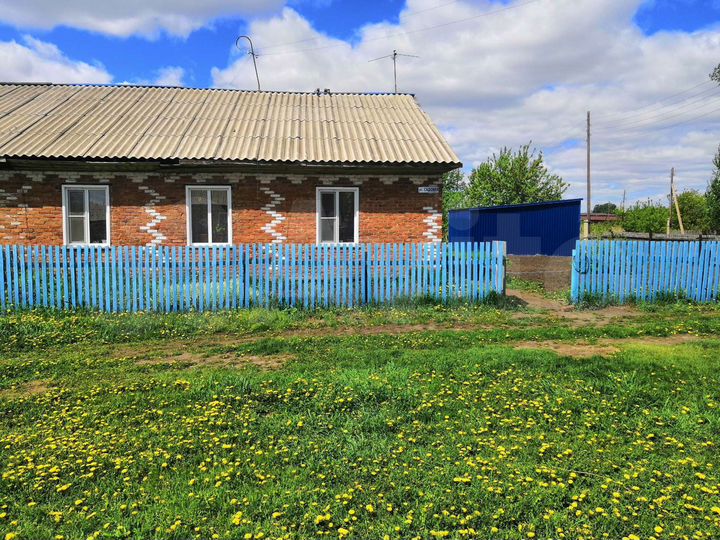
<point>686,121</point>
<point>408,32</point>
<point>634,118</point>
<point>658,102</point>
<point>645,122</point>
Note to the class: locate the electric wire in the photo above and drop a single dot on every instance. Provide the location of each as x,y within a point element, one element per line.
<point>657,104</point>
<point>660,113</point>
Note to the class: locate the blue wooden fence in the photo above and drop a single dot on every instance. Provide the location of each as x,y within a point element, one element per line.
<point>211,278</point>
<point>637,270</point>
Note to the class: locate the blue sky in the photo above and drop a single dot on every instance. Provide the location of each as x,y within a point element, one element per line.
<point>491,73</point>
<point>136,58</point>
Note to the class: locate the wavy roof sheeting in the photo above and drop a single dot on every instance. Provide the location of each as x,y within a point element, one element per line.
<point>160,123</point>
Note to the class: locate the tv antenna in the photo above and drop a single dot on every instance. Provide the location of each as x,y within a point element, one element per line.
<point>394,56</point>
<point>251,52</point>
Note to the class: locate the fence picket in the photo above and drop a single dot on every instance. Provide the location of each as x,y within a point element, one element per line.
<point>172,279</point>
<point>623,270</point>
<point>3,273</point>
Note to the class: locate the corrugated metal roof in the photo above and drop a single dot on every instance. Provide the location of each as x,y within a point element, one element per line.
<point>133,122</point>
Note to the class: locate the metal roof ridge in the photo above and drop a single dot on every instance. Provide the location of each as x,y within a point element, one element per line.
<point>205,89</point>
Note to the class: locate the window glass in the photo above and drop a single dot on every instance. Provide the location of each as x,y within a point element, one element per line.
<point>76,230</point>
<point>327,204</point>
<point>337,221</point>
<point>219,211</point>
<point>209,215</point>
<point>97,216</point>
<point>327,229</point>
<point>198,216</point>
<point>347,216</point>
<point>76,201</point>
<point>85,211</point>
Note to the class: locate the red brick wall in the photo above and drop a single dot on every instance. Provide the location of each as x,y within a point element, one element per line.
<point>150,207</point>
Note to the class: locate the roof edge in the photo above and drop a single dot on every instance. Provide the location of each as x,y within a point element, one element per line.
<point>210,89</point>
<point>521,205</point>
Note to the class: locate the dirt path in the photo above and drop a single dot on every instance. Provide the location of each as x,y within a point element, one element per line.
<point>204,350</point>
<point>565,312</point>
<point>183,351</point>
<point>602,347</point>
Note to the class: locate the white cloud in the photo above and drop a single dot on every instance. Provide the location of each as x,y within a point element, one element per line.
<point>170,76</point>
<point>129,17</point>
<point>528,73</point>
<point>165,76</point>
<point>40,61</point>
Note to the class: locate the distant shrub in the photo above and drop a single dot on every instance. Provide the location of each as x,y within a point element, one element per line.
<point>694,212</point>
<point>647,217</point>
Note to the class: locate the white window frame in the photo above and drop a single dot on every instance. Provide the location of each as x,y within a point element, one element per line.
<point>86,216</point>
<point>337,190</point>
<point>188,212</point>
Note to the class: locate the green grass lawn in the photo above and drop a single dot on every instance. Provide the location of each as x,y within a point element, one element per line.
<point>146,426</point>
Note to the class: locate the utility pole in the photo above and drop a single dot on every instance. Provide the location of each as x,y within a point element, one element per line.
<point>673,198</point>
<point>251,52</point>
<point>589,190</point>
<point>394,56</point>
<point>670,201</point>
<point>623,204</point>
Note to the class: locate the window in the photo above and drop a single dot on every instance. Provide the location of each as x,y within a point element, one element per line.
<point>208,210</point>
<point>337,211</point>
<point>86,215</point>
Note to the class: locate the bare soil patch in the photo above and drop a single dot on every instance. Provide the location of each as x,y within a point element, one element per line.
<point>602,347</point>
<point>198,359</point>
<point>557,309</point>
<point>28,389</point>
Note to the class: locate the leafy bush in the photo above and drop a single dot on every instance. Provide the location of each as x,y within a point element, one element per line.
<point>605,208</point>
<point>694,211</point>
<point>647,217</point>
<point>713,191</point>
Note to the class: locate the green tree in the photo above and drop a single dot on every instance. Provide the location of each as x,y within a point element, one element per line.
<point>646,217</point>
<point>453,195</point>
<point>713,194</point>
<point>694,211</point>
<point>513,178</point>
<point>605,208</point>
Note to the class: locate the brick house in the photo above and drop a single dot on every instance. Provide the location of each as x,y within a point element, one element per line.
<point>127,165</point>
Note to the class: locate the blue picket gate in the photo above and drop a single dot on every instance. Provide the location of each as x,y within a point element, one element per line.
<point>165,279</point>
<point>638,270</point>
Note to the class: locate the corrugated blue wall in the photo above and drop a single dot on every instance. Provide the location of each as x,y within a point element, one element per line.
<point>549,228</point>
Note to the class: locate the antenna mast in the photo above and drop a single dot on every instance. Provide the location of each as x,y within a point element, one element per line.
<point>251,52</point>
<point>394,56</point>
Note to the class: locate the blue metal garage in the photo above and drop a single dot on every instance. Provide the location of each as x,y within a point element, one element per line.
<point>547,228</point>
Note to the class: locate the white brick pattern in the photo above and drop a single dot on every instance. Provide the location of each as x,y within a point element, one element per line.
<point>433,222</point>
<point>151,208</point>
<point>277,217</point>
